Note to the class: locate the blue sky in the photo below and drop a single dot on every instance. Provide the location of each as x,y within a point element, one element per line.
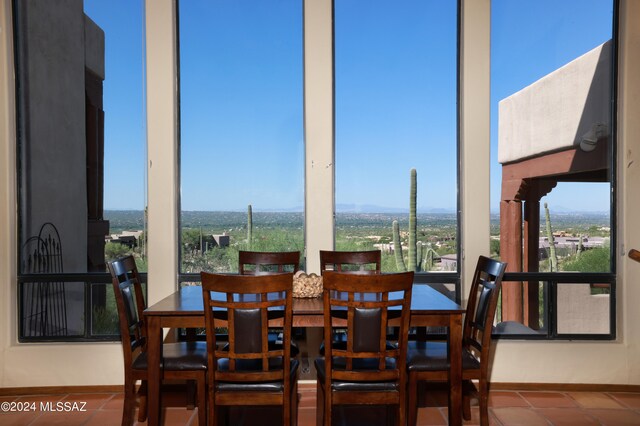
<point>395,101</point>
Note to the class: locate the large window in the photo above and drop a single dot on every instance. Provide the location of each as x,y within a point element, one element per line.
<point>553,135</point>
<point>81,161</point>
<point>396,132</point>
<point>241,138</point>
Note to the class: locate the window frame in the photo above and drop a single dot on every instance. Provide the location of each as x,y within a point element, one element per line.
<point>552,279</point>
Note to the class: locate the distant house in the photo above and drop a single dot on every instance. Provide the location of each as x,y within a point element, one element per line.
<point>221,240</point>
<point>126,238</point>
<point>568,245</point>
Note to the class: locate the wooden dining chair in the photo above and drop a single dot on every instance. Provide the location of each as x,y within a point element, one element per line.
<point>428,360</point>
<point>351,261</point>
<point>360,262</point>
<point>183,360</point>
<point>367,371</point>
<point>270,262</point>
<point>250,371</point>
<point>263,262</point>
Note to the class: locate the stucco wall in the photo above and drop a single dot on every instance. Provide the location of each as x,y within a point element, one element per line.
<point>556,111</point>
<point>53,124</point>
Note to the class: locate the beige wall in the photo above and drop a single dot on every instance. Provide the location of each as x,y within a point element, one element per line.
<point>557,362</point>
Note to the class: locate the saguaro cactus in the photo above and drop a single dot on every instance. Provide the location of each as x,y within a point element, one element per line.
<point>553,258</point>
<point>397,247</point>
<point>429,259</point>
<point>413,232</point>
<point>413,237</point>
<point>580,246</point>
<point>249,227</point>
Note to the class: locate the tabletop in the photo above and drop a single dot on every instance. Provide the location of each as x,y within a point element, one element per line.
<point>188,301</point>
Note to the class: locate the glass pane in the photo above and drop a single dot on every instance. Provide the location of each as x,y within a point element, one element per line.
<point>51,310</point>
<point>242,165</point>
<point>104,313</point>
<point>124,127</point>
<point>551,139</point>
<point>584,308</point>
<point>532,298</point>
<point>81,147</point>
<point>551,133</point>
<point>395,100</point>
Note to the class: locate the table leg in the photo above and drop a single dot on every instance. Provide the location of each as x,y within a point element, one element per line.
<point>154,352</point>
<point>455,372</point>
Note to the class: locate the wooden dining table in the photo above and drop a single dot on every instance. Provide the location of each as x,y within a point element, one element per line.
<point>184,309</point>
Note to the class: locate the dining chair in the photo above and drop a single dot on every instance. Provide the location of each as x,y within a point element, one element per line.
<point>351,261</point>
<point>360,262</point>
<point>366,370</point>
<point>250,371</point>
<point>264,262</point>
<point>270,262</point>
<point>428,360</point>
<point>180,361</point>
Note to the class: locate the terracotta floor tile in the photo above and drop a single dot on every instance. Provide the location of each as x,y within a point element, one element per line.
<point>431,416</point>
<point>92,401</point>
<point>568,417</point>
<point>594,400</point>
<point>18,418</point>
<point>506,399</point>
<point>548,399</point>
<point>70,418</point>
<point>307,400</point>
<point>518,416</point>
<point>105,418</point>
<point>115,403</point>
<point>178,416</point>
<point>631,400</point>
<point>475,417</point>
<point>40,399</point>
<point>306,417</point>
<point>616,417</point>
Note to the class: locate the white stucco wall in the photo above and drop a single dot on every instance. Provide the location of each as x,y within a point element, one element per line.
<point>556,111</point>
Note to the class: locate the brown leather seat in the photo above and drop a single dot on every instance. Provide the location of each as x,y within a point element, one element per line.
<point>429,360</point>
<point>185,360</point>
<point>365,370</point>
<point>250,371</point>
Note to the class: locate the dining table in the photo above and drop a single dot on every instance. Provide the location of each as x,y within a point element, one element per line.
<point>184,309</point>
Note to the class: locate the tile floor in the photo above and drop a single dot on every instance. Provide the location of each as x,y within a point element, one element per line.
<point>506,408</point>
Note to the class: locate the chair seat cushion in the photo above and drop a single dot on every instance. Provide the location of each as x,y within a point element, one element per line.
<point>254,365</point>
<point>362,365</point>
<point>432,356</point>
<point>178,357</point>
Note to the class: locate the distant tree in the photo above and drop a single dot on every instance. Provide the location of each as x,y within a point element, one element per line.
<point>495,248</point>
<point>594,260</point>
<point>113,251</point>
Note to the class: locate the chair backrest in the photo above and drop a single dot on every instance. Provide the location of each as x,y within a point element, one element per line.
<point>350,261</point>
<point>262,262</point>
<point>481,307</point>
<point>365,304</point>
<point>252,304</point>
<point>127,288</point>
